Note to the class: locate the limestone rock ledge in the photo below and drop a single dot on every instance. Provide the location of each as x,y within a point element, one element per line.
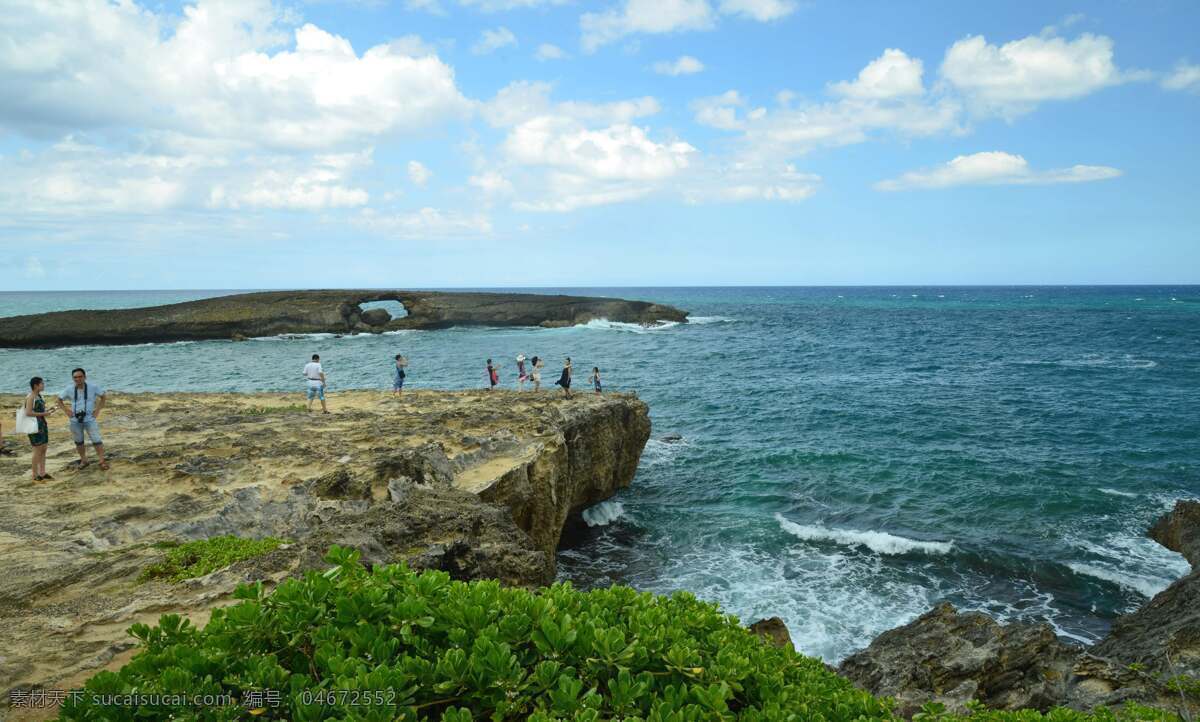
<point>475,483</point>
<point>951,657</point>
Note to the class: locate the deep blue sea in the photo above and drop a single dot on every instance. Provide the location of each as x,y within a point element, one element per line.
<point>849,455</point>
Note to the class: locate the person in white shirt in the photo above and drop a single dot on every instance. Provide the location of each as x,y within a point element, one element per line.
<point>315,376</point>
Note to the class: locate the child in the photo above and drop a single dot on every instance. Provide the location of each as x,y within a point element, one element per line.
<point>398,375</point>
<point>596,379</point>
<point>493,375</point>
<point>521,371</point>
<point>35,406</point>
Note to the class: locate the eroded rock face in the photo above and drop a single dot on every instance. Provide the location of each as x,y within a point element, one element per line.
<point>774,631</point>
<point>273,313</point>
<point>417,479</point>
<point>951,657</point>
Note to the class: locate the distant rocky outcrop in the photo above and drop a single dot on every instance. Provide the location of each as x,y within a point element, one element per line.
<point>272,313</point>
<point>477,484</point>
<point>952,657</point>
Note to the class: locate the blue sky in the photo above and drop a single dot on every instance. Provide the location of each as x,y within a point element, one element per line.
<point>423,143</point>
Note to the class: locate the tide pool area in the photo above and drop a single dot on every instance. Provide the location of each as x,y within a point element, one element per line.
<point>840,457</point>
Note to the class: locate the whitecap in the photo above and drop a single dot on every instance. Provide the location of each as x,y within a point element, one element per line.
<point>877,541</point>
<point>658,451</point>
<point>603,324</point>
<point>701,320</point>
<point>604,513</point>
<point>1145,586</point>
<point>1116,492</point>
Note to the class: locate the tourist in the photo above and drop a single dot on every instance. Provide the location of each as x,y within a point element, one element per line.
<point>398,374</point>
<point>35,407</point>
<point>565,379</point>
<point>315,377</point>
<point>536,373</point>
<point>596,379</point>
<point>493,375</point>
<point>87,400</point>
<point>521,376</point>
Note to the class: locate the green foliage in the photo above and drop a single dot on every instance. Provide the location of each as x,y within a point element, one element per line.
<point>388,643</point>
<point>197,558</point>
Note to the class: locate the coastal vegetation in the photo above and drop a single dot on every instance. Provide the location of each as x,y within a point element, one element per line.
<point>204,556</point>
<point>385,642</point>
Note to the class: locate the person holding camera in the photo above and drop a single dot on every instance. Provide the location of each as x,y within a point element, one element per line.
<point>87,400</point>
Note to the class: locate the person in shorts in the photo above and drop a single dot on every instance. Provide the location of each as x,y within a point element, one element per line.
<point>87,401</point>
<point>314,376</point>
<point>35,406</point>
<point>493,373</point>
<point>398,374</point>
<point>596,379</point>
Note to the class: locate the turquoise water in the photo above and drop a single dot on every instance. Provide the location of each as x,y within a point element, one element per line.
<point>849,456</point>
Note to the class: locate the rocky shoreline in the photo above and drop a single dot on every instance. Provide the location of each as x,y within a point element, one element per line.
<point>272,313</point>
<point>476,483</point>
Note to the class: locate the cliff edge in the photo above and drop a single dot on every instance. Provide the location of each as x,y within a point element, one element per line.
<point>475,483</point>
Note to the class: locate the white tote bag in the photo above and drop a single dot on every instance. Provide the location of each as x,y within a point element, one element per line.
<point>26,424</point>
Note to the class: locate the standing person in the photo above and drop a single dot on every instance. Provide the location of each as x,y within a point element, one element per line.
<point>565,379</point>
<point>315,376</point>
<point>85,415</point>
<point>521,372</point>
<point>536,375</point>
<point>35,406</point>
<point>398,374</point>
<point>493,375</point>
<point>596,379</point>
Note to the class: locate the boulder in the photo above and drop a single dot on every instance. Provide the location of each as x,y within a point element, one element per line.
<point>773,631</point>
<point>1179,531</point>
<point>376,317</point>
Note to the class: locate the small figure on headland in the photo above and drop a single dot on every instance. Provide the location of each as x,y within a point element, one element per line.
<point>399,374</point>
<point>565,379</point>
<point>536,373</point>
<point>521,375</point>
<point>87,400</point>
<point>596,379</point>
<point>493,373</point>
<point>314,375</point>
<point>35,406</point>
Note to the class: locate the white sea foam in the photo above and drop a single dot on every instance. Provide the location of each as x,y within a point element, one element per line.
<point>1116,492</point>
<point>658,451</point>
<point>1145,586</point>
<point>702,320</point>
<point>1128,361</point>
<point>604,513</point>
<point>877,541</point>
<point>603,324</point>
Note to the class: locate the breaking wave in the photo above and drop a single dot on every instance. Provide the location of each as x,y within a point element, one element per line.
<point>877,541</point>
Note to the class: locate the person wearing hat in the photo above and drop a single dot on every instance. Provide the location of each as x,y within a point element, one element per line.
<point>535,372</point>
<point>521,376</point>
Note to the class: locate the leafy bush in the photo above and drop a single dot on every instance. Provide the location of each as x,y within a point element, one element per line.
<point>388,643</point>
<point>197,558</point>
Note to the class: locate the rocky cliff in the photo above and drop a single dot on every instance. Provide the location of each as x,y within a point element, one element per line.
<point>475,483</point>
<point>293,312</point>
<point>951,657</point>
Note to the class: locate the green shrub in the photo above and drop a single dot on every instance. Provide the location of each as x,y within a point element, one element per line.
<point>388,643</point>
<point>197,558</point>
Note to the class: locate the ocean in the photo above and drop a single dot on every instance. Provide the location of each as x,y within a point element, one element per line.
<point>847,456</point>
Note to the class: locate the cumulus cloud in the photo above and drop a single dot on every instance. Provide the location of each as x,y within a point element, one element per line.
<point>424,224</point>
<point>289,184</point>
<point>1011,79</point>
<point>644,16</point>
<point>523,100</point>
<point>993,168</point>
<point>547,51</point>
<point>892,75</point>
<point>230,70</point>
<point>492,40</point>
<point>1184,77</point>
<point>418,173</point>
<point>683,65</point>
<point>491,183</point>
<point>617,152</point>
<point>761,10</point>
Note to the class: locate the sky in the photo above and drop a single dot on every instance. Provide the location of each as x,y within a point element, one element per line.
<point>492,143</point>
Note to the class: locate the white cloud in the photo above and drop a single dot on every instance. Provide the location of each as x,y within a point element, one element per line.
<point>418,173</point>
<point>684,65</point>
<point>892,75</point>
<point>1184,77</point>
<point>739,181</point>
<point>424,224</point>
<point>493,39</point>
<point>761,10</point>
<point>523,100</point>
<point>616,152</point>
<point>720,111</point>
<point>499,5</point>
<point>33,268</point>
<point>546,51</point>
<point>215,72</point>
<point>285,184</point>
<point>644,16</point>
<point>491,183</point>
<point>993,168</point>
<point>1013,78</point>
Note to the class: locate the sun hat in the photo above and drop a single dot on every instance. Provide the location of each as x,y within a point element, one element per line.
<point>520,357</point>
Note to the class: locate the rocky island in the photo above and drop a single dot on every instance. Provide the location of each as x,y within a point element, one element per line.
<point>272,313</point>
<point>477,484</point>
